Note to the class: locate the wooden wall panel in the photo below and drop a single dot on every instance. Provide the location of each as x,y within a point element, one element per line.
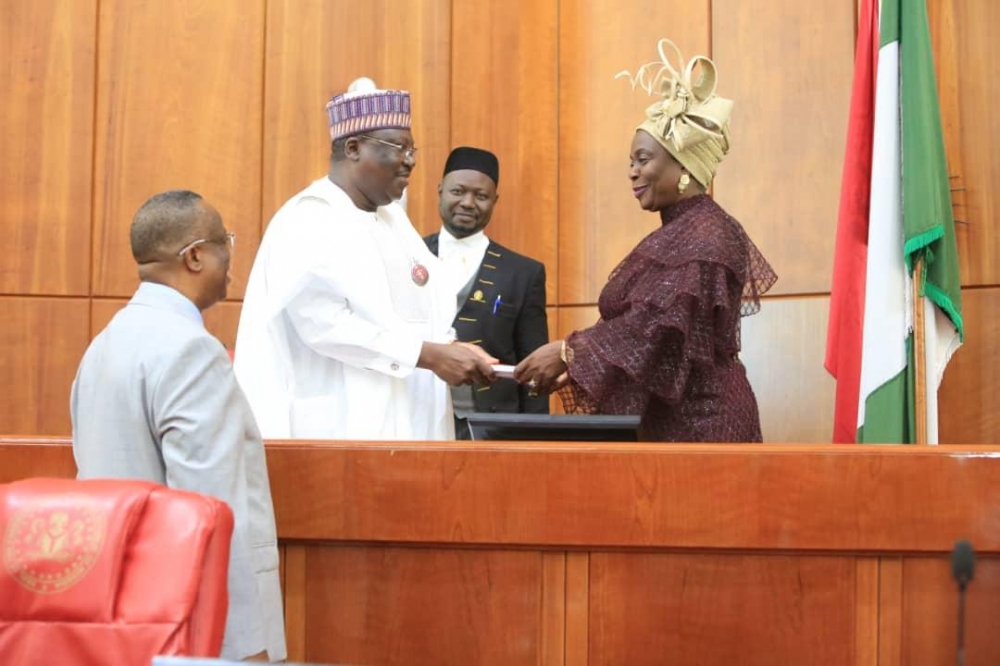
<point>181,111</point>
<point>788,66</point>
<point>221,320</point>
<point>504,98</point>
<point>599,219</point>
<point>783,349</point>
<point>967,403</point>
<point>721,609</point>
<point>930,612</point>
<point>978,71</point>
<point>315,48</point>
<point>944,37</point>
<point>42,341</point>
<point>47,134</point>
<point>784,360</point>
<point>574,318</point>
<point>430,606</point>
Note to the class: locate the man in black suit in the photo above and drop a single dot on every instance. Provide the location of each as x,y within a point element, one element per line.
<point>501,294</point>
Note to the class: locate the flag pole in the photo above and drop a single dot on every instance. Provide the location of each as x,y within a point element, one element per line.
<point>919,357</point>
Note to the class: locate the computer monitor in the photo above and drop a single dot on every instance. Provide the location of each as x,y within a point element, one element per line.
<point>554,427</point>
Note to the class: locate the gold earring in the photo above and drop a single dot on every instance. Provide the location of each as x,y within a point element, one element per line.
<point>683,183</point>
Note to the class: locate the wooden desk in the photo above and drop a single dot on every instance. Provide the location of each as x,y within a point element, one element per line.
<point>417,553</point>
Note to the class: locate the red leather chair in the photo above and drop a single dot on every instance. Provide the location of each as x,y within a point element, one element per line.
<point>110,572</point>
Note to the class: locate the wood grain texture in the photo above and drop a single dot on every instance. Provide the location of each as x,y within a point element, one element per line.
<point>504,58</point>
<point>818,497</point>
<point>221,319</point>
<point>47,135</point>
<point>978,73</point>
<point>721,609</point>
<point>35,456</point>
<point>787,498</point>
<point>866,611</point>
<point>777,598</point>
<point>577,608</point>
<point>43,340</point>
<point>429,606</point>
<point>181,111</point>
<point>944,45</point>
<point>783,350</point>
<point>315,48</point>
<point>552,625</point>
<point>930,612</point>
<point>890,597</point>
<point>294,584</point>
<point>599,220</point>
<point>782,178</point>
<point>967,397</point>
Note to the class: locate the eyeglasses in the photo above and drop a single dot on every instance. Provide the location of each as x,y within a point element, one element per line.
<point>408,153</point>
<point>230,239</point>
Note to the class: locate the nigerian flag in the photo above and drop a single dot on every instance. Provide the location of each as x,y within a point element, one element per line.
<point>895,209</point>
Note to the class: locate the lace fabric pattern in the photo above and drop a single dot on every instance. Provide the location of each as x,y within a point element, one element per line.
<point>666,345</point>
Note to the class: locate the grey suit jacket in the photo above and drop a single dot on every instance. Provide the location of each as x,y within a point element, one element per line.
<point>155,398</point>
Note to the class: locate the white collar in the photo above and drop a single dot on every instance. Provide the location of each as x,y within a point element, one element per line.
<point>476,241</point>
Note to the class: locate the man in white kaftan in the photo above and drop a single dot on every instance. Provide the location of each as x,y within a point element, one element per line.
<point>346,322</point>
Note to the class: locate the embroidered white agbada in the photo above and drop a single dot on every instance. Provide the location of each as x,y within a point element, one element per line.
<point>332,324</point>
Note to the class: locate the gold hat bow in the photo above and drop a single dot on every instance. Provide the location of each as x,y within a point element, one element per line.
<point>690,120</point>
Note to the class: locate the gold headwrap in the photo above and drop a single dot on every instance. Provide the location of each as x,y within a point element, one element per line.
<point>691,121</point>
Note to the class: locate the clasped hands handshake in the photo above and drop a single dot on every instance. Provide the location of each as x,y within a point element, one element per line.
<point>458,363</point>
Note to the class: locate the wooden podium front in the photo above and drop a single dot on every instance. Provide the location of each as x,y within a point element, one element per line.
<point>483,553</point>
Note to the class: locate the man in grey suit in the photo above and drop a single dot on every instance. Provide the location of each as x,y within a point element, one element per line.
<point>155,398</point>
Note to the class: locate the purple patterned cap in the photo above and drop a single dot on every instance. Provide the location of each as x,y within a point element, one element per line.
<point>353,113</point>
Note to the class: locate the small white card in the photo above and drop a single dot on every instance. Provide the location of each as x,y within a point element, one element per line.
<point>504,371</point>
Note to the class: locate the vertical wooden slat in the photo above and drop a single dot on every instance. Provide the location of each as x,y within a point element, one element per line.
<point>552,642</point>
<point>890,602</point>
<point>788,67</point>
<point>599,219</point>
<point>181,111</point>
<point>511,66</point>
<point>577,609</point>
<point>866,629</point>
<point>975,68</point>
<point>42,341</point>
<point>296,619</point>
<point>46,145</point>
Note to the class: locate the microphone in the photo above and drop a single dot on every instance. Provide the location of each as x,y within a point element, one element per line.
<point>963,566</point>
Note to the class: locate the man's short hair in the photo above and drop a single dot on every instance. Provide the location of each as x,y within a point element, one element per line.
<point>165,223</point>
<point>337,151</point>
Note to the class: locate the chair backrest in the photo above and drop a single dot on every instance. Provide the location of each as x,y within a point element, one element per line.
<point>110,572</point>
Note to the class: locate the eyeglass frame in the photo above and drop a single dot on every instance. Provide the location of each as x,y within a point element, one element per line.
<point>230,239</point>
<point>408,153</point>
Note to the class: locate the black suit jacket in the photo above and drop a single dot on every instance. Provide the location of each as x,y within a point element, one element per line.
<point>518,327</point>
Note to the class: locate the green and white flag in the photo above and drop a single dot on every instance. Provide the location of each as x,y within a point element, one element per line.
<point>910,217</point>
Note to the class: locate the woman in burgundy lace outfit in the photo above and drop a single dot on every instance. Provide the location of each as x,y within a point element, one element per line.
<point>667,342</point>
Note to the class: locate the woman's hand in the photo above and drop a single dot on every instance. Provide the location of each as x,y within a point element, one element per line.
<point>542,369</point>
